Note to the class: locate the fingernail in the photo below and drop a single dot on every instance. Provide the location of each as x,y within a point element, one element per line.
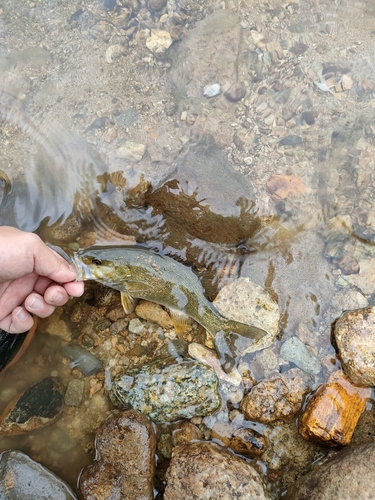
<point>55,299</point>
<point>22,315</point>
<point>36,304</point>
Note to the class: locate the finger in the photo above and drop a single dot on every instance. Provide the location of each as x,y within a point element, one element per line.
<point>36,304</point>
<point>56,295</point>
<point>75,288</point>
<point>19,321</point>
<point>48,263</point>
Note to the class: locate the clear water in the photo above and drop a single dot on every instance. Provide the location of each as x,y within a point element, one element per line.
<point>303,136</point>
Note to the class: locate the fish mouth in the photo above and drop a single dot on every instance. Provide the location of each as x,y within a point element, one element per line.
<point>84,272</point>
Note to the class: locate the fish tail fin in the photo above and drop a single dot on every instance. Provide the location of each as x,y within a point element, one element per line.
<point>233,341</point>
<point>250,332</point>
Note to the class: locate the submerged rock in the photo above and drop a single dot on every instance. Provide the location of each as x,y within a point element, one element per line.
<point>295,351</point>
<point>331,415</point>
<point>206,470</point>
<point>246,302</point>
<point>166,391</point>
<point>38,406</point>
<point>205,197</point>
<point>125,460</point>
<point>350,474</point>
<point>355,339</point>
<point>22,478</point>
<point>279,398</point>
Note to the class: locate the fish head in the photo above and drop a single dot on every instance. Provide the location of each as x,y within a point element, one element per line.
<point>98,265</point>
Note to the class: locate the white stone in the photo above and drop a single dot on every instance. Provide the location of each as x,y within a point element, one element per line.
<point>159,41</point>
<point>131,151</point>
<point>246,302</point>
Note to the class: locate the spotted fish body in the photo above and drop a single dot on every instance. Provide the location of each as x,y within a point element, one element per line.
<point>139,273</point>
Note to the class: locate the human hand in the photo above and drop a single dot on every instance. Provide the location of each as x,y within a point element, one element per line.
<point>33,280</point>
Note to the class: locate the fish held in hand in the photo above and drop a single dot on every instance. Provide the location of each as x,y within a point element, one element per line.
<point>139,273</point>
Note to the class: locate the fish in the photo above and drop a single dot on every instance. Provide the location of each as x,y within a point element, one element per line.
<point>140,273</point>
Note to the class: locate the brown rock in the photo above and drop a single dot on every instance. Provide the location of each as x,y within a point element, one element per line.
<point>206,471</point>
<point>185,432</point>
<point>125,459</point>
<point>235,93</point>
<point>40,405</point>
<point>349,475</point>
<point>331,415</point>
<point>355,338</point>
<point>206,198</point>
<point>279,398</point>
<point>153,312</point>
<point>247,442</point>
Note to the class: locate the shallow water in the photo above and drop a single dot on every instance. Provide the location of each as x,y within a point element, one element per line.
<point>284,197</point>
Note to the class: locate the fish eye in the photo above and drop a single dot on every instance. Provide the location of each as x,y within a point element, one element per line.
<point>96,261</point>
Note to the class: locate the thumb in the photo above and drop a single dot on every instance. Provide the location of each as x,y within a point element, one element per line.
<point>51,265</point>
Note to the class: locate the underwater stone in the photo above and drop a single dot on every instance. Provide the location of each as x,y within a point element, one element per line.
<point>246,302</point>
<point>124,466</point>
<point>212,90</point>
<point>204,197</point>
<point>166,391</point>
<point>40,405</point>
<point>295,351</point>
<point>22,478</point>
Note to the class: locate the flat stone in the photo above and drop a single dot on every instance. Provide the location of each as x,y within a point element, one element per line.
<point>23,479</point>
<point>74,392</point>
<point>206,471</point>
<point>246,302</point>
<point>295,351</point>
<point>125,460</point>
<point>40,405</point>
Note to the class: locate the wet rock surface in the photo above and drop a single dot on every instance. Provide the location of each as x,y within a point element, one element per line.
<point>167,391</point>
<point>347,475</point>
<point>125,464</point>
<point>22,478</point>
<point>331,414</point>
<point>253,306</point>
<point>279,398</point>
<point>206,470</point>
<point>38,406</point>
<point>355,338</point>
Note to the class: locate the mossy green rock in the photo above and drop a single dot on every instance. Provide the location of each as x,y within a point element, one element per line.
<point>167,391</point>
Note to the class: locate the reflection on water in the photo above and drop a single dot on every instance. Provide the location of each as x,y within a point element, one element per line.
<point>104,140</point>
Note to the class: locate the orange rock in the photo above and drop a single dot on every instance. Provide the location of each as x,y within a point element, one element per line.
<point>284,186</point>
<point>332,413</point>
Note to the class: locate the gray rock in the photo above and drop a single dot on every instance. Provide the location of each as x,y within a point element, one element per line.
<point>23,479</point>
<point>349,475</point>
<point>206,471</point>
<point>74,392</point>
<point>246,302</point>
<point>295,351</point>
<point>166,391</point>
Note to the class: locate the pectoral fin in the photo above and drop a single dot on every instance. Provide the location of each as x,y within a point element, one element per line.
<point>181,321</point>
<point>128,302</point>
